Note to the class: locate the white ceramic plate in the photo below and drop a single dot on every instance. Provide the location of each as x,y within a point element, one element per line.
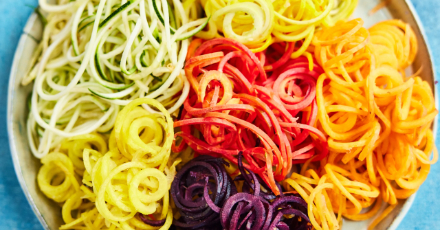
<point>26,166</point>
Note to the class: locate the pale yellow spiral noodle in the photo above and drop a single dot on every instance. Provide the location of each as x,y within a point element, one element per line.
<point>259,23</point>
<point>106,181</point>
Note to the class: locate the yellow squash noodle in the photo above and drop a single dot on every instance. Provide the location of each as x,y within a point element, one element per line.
<point>376,119</point>
<point>333,192</point>
<point>259,23</point>
<point>108,181</point>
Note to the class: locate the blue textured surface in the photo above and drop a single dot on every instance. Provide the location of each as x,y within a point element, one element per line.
<point>15,212</point>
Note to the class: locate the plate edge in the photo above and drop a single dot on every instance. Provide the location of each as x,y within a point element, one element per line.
<point>409,202</point>
<point>10,125</point>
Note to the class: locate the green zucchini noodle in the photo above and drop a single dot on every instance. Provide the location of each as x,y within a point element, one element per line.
<point>98,55</point>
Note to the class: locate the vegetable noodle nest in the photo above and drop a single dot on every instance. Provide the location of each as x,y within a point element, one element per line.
<point>279,115</point>
<point>234,107</point>
<point>232,203</point>
<point>377,121</point>
<point>259,23</point>
<point>115,182</point>
<point>97,55</point>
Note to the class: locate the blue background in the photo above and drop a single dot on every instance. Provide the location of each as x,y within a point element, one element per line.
<point>15,212</point>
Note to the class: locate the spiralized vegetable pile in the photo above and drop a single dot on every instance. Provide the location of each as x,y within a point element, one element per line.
<point>235,107</point>
<point>97,55</point>
<point>115,183</point>
<point>377,121</point>
<point>207,197</point>
<point>259,23</point>
<point>269,90</point>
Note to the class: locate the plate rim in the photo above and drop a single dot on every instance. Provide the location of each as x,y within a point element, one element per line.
<point>409,202</point>
<point>10,127</point>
